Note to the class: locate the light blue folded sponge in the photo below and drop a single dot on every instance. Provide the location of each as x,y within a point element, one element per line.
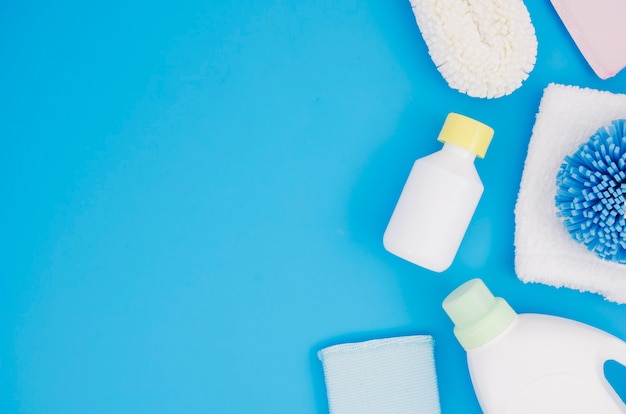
<point>391,375</point>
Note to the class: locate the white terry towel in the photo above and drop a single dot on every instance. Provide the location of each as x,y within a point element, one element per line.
<point>381,376</point>
<point>544,250</point>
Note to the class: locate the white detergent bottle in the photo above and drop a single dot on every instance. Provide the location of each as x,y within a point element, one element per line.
<point>439,197</point>
<point>532,363</point>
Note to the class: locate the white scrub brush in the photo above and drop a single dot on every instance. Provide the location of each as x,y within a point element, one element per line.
<point>484,48</point>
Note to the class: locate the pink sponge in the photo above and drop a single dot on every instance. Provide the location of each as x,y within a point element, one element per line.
<point>599,30</point>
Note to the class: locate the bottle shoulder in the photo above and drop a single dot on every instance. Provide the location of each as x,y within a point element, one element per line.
<point>449,162</point>
<point>545,340</point>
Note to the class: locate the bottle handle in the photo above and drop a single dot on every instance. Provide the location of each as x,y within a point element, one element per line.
<point>615,349</point>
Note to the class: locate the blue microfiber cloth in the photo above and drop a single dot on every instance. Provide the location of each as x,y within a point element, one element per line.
<point>391,375</point>
<point>545,252</point>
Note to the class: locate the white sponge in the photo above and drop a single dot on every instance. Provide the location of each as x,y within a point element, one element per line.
<point>484,48</point>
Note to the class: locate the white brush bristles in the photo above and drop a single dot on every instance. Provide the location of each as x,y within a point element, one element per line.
<point>484,48</point>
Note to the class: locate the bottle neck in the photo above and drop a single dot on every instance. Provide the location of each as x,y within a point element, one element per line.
<point>458,151</point>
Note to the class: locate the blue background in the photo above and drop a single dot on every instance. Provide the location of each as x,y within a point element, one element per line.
<point>194,195</point>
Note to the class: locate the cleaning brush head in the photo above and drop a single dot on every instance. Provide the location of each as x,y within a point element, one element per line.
<point>591,193</point>
<point>483,48</point>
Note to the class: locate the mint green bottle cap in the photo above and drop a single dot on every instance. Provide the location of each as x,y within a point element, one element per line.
<point>478,316</point>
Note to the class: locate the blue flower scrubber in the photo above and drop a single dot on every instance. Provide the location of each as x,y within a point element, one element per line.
<point>484,48</point>
<point>591,189</point>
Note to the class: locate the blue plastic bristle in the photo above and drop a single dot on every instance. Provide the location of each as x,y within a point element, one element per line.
<point>591,193</point>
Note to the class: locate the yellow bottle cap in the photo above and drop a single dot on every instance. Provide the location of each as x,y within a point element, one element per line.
<point>467,133</point>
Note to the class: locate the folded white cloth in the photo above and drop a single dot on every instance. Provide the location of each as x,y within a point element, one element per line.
<point>391,375</point>
<point>544,250</point>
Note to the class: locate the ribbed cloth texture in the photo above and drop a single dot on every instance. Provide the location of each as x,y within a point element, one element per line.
<point>544,251</point>
<point>391,375</point>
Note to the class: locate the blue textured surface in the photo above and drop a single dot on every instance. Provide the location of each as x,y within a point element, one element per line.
<point>194,196</point>
<point>591,189</point>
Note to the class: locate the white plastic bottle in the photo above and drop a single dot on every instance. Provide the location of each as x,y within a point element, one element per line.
<point>532,363</point>
<point>440,197</point>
